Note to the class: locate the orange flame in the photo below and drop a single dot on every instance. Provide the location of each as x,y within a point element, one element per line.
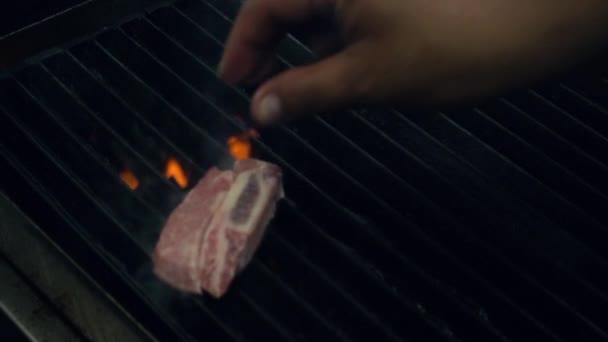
<point>174,171</point>
<point>240,145</point>
<point>130,179</point>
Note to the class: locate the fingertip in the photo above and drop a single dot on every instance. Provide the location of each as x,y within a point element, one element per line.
<point>267,108</point>
<point>307,90</point>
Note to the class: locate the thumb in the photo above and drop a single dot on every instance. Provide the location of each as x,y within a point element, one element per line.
<point>327,85</point>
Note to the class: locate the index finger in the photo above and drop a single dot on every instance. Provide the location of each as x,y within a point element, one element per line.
<point>257,30</point>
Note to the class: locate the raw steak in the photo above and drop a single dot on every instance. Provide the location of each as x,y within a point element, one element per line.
<point>214,232</point>
<point>237,227</point>
<point>176,253</point>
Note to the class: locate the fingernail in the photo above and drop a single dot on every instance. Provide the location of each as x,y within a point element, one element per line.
<point>269,109</point>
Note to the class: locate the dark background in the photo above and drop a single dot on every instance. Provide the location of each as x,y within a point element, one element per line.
<point>18,14</point>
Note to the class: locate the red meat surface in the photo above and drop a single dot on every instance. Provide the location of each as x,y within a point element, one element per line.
<point>213,234</point>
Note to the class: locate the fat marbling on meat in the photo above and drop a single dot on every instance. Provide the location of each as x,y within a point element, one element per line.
<point>212,235</point>
<point>176,254</point>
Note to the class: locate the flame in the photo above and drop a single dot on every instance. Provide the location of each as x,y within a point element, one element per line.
<point>174,171</point>
<point>240,145</point>
<point>130,179</point>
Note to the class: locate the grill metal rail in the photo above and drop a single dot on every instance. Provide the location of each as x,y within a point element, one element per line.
<point>17,15</point>
<point>487,224</point>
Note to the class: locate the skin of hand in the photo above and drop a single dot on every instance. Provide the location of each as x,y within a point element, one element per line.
<point>408,53</point>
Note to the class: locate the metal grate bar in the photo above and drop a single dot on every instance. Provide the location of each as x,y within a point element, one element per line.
<point>43,131</point>
<point>516,178</point>
<point>596,141</point>
<point>128,230</point>
<point>153,131</point>
<point>66,73</point>
<point>589,235</point>
<point>271,320</point>
<point>216,24</point>
<point>47,89</point>
<point>585,109</point>
<point>144,34</point>
<point>589,90</point>
<point>149,103</point>
<point>564,123</point>
<point>555,146</point>
<point>114,136</point>
<point>602,230</point>
<point>501,170</point>
<point>82,187</point>
<point>525,262</point>
<point>494,296</point>
<point>409,136</point>
<point>544,155</point>
<point>536,162</point>
<point>302,303</point>
<point>358,326</point>
<point>575,93</point>
<point>24,297</point>
<point>478,186</point>
<point>31,191</point>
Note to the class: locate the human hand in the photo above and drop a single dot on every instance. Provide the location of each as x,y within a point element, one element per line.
<point>408,52</point>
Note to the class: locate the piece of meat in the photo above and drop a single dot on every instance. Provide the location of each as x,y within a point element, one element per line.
<point>239,224</point>
<point>176,254</point>
<point>213,234</point>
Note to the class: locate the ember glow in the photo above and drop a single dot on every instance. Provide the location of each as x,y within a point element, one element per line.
<point>174,171</point>
<point>129,178</point>
<point>240,145</point>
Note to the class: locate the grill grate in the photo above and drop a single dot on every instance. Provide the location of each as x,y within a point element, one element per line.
<point>481,225</point>
<point>21,14</point>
